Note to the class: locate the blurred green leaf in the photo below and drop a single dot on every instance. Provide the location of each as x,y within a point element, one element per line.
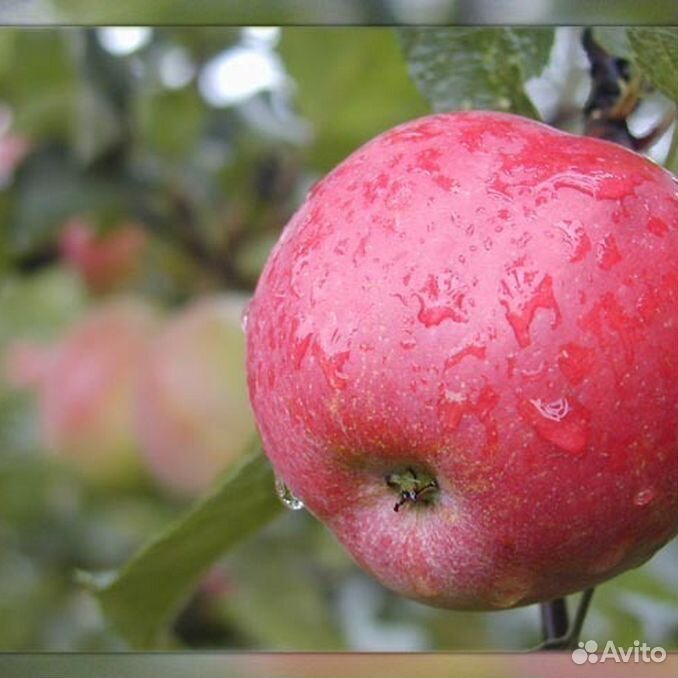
<point>614,39</point>
<point>655,51</point>
<point>171,121</point>
<point>24,594</point>
<point>151,587</point>
<point>38,79</point>
<point>274,12</point>
<point>201,42</point>
<point>639,604</point>
<point>295,610</point>
<point>485,68</point>
<point>103,113</point>
<point>353,87</point>
<point>270,12</point>
<point>40,306</point>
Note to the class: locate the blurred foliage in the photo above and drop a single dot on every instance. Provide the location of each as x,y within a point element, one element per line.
<point>653,54</point>
<point>143,136</point>
<point>655,51</point>
<point>343,115</point>
<point>270,12</point>
<point>174,561</point>
<point>297,608</point>
<point>465,68</point>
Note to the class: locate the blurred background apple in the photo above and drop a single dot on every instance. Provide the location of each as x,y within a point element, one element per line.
<point>104,261</point>
<point>86,386</point>
<point>193,414</point>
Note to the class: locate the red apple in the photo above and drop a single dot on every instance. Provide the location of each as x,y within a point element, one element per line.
<point>474,320</point>
<point>86,386</point>
<point>193,415</point>
<point>104,262</point>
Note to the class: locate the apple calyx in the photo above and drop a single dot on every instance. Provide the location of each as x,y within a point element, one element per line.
<point>413,487</point>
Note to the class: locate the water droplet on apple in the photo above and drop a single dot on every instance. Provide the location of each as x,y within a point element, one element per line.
<point>435,315</point>
<point>575,239</point>
<point>522,298</point>
<point>443,298</point>
<point>287,497</point>
<point>645,497</point>
<point>562,422</point>
<point>575,362</point>
<point>657,226</point>
<point>607,253</point>
<point>333,366</point>
<point>244,316</point>
<point>555,411</point>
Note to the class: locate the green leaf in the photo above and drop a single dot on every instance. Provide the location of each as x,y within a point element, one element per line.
<point>483,68</point>
<point>614,39</point>
<point>41,98</point>
<point>170,121</point>
<point>150,589</point>
<point>103,120</point>
<point>655,52</point>
<point>640,603</point>
<point>41,306</point>
<point>296,609</point>
<point>352,85</point>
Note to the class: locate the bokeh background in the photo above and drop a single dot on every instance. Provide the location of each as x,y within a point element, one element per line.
<point>429,12</point>
<point>145,175</point>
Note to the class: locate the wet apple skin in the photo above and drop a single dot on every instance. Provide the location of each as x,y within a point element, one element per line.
<point>494,302</point>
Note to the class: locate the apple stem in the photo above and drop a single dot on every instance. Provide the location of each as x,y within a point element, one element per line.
<point>412,487</point>
<point>559,634</point>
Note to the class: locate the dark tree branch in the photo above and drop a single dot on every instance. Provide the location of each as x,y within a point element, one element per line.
<point>554,619</point>
<point>558,633</point>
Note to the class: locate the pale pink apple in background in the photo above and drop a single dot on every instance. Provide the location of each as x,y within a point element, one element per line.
<point>193,414</point>
<point>85,385</point>
<point>27,363</point>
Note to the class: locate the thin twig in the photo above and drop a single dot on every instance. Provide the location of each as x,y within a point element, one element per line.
<point>554,620</point>
<point>580,616</point>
